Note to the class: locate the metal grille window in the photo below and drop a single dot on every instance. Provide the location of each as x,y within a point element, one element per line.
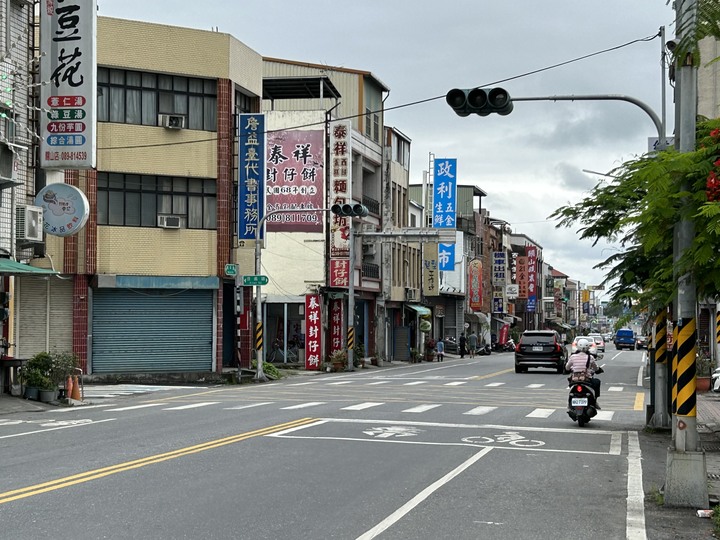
<point>135,97</point>
<point>134,200</point>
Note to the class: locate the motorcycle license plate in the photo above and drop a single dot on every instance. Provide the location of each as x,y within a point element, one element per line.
<point>579,402</point>
<point>537,348</point>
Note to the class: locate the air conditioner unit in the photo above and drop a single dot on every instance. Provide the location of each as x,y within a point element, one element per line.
<point>29,223</point>
<point>171,121</point>
<point>369,250</point>
<point>169,222</point>
<point>412,295</point>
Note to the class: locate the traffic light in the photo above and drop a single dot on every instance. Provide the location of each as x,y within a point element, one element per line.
<point>349,210</point>
<point>479,101</point>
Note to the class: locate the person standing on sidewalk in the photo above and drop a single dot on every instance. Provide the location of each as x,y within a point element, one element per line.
<point>440,349</point>
<point>472,343</point>
<point>463,345</point>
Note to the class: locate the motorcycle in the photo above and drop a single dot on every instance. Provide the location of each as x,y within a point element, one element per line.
<point>716,380</point>
<point>581,399</point>
<point>509,345</point>
<point>484,350</point>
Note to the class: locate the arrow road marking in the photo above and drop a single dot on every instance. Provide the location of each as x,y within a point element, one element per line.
<point>387,432</point>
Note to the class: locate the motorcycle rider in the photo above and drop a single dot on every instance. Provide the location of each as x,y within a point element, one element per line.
<point>583,361</point>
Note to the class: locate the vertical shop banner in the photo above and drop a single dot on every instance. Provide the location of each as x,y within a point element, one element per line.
<point>499,268</point>
<point>444,193</point>
<point>339,272</point>
<point>313,335</point>
<point>251,175</point>
<point>431,273</point>
<point>68,94</point>
<point>446,257</point>
<point>531,253</point>
<point>336,324</point>
<point>295,179</point>
<point>513,267</point>
<point>504,334</point>
<point>475,285</point>
<point>498,303</point>
<point>340,168</point>
<point>522,277</point>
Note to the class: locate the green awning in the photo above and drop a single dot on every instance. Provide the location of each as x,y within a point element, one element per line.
<point>13,268</point>
<point>421,310</point>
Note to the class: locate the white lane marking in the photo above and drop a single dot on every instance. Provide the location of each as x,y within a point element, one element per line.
<point>540,413</point>
<point>480,410</point>
<point>56,428</point>
<point>605,415</point>
<point>406,508</point>
<point>422,408</point>
<point>415,383</point>
<point>535,385</point>
<point>615,389</point>
<point>635,529</point>
<point>82,407</point>
<point>615,444</point>
<point>640,376</point>
<point>361,406</point>
<point>301,383</point>
<point>303,405</point>
<point>377,382</point>
<point>618,354</point>
<point>456,383</point>
<point>251,405</point>
<point>495,384</point>
<point>340,382</point>
<point>132,407</point>
<point>191,406</point>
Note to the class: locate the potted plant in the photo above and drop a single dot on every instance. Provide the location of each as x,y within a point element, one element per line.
<point>430,350</point>
<point>703,370</point>
<point>32,379</point>
<point>47,389</point>
<point>359,354</point>
<point>338,359</point>
<point>414,356</point>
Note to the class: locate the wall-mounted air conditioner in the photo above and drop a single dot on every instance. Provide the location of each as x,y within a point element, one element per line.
<point>28,223</point>
<point>171,121</point>
<point>369,250</point>
<point>412,295</point>
<point>169,222</point>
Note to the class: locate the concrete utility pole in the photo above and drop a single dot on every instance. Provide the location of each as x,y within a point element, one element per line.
<point>686,473</point>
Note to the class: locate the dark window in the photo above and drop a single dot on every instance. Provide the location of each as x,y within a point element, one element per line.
<point>134,97</point>
<point>132,200</point>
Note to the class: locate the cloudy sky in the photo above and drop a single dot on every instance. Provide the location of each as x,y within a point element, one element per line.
<point>530,162</point>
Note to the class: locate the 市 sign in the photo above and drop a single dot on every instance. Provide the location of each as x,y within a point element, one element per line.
<point>253,281</point>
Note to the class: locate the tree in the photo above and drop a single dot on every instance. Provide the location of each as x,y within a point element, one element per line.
<point>639,208</point>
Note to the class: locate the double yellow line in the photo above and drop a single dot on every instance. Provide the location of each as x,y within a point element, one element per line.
<point>88,476</point>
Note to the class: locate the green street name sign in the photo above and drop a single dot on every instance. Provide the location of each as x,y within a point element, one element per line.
<point>231,270</point>
<point>252,281</point>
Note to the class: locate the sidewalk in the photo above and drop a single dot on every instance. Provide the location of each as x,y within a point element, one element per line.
<point>708,423</point>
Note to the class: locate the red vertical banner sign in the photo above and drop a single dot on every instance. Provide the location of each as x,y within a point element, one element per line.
<point>336,325</point>
<point>522,277</point>
<point>475,284</point>
<point>313,338</point>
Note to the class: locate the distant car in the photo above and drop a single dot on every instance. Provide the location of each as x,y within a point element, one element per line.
<point>625,339</point>
<point>540,348</point>
<point>641,342</point>
<point>574,346</point>
<point>599,341</point>
<point>608,337</point>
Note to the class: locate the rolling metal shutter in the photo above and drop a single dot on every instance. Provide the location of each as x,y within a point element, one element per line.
<point>44,320</point>
<point>152,331</point>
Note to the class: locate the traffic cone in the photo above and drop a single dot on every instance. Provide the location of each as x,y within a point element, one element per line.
<point>68,387</point>
<point>75,389</point>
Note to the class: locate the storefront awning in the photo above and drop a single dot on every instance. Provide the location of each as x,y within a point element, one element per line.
<point>14,268</point>
<point>421,310</point>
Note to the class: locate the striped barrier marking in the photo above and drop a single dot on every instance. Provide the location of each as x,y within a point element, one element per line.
<point>686,350</point>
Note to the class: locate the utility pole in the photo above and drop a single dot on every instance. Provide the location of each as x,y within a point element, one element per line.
<point>686,473</point>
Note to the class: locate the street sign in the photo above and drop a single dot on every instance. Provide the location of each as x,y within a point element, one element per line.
<point>252,281</point>
<point>231,270</point>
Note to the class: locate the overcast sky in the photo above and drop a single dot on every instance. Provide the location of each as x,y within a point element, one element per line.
<point>529,162</point>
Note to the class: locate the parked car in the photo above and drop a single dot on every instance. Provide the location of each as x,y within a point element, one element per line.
<point>641,342</point>
<point>574,346</point>
<point>625,339</point>
<point>599,341</point>
<point>540,348</point>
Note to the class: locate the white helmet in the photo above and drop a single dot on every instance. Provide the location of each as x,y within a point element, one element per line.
<point>583,345</point>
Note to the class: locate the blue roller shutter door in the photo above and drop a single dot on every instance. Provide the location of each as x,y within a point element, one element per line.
<point>152,331</point>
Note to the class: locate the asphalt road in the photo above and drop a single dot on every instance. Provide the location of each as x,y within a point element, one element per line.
<point>464,449</point>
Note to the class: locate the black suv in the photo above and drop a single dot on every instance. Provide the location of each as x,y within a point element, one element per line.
<point>540,348</point>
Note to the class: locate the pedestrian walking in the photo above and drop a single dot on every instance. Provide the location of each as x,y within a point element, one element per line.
<point>440,348</point>
<point>472,343</point>
<point>463,345</point>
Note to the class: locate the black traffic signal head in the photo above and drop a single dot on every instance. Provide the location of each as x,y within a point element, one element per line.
<point>479,101</point>
<point>349,210</point>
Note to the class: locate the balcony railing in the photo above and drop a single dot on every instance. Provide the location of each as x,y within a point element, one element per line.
<point>372,205</point>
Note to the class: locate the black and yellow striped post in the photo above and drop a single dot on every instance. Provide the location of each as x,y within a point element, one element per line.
<point>673,409</point>
<point>717,328</point>
<point>660,344</point>
<point>686,383</point>
<point>258,335</point>
<point>351,338</point>
<point>660,395</point>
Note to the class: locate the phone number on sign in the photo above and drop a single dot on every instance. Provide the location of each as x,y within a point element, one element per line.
<point>293,218</point>
<point>73,156</point>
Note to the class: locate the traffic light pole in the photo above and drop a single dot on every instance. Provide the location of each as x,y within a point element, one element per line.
<point>259,330</point>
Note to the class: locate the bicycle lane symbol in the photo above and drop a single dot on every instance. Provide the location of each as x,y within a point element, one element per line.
<point>513,438</point>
